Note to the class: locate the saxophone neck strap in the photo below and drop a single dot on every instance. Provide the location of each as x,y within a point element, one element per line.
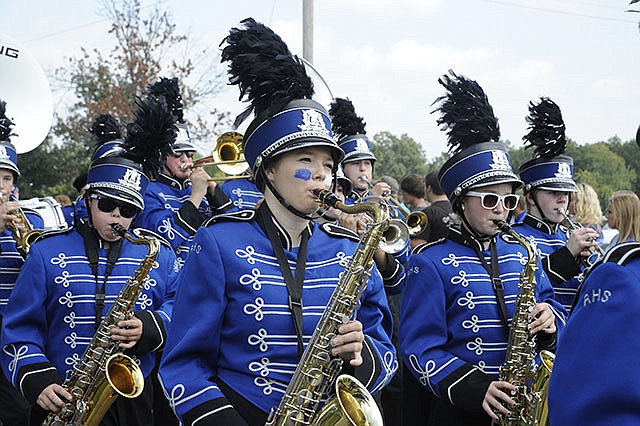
<point>496,282</point>
<point>90,238</point>
<point>294,284</point>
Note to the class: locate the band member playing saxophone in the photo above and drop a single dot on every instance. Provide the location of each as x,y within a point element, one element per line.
<point>461,291</point>
<point>548,179</point>
<point>265,276</point>
<point>72,277</point>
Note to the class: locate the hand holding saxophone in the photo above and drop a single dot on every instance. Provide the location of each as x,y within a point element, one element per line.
<point>497,399</point>
<point>542,319</point>
<point>348,343</point>
<point>53,398</point>
<point>127,333</point>
<point>7,216</point>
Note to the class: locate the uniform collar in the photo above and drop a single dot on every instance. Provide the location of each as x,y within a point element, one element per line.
<point>173,182</point>
<point>539,224</point>
<point>265,214</point>
<point>460,235</point>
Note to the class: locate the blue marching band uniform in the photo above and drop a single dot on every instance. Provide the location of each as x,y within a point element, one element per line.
<point>231,344</point>
<point>52,313</point>
<point>248,318</point>
<point>168,213</point>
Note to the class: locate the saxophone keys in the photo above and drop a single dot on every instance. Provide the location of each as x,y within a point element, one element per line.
<point>84,381</point>
<point>77,392</point>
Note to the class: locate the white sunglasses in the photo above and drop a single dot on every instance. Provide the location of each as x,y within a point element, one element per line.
<point>490,200</point>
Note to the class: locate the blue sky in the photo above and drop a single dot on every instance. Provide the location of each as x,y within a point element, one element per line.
<point>387,55</point>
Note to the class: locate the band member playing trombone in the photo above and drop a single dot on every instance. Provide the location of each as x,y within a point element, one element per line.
<point>548,179</point>
<point>264,276</point>
<point>73,277</point>
<point>182,197</point>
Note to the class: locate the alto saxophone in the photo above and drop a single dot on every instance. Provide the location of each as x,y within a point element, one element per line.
<point>519,369</point>
<point>104,372</point>
<point>317,372</point>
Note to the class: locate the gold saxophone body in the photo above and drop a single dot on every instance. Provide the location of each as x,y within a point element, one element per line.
<point>519,367</point>
<point>23,238</point>
<point>316,375</point>
<point>104,372</point>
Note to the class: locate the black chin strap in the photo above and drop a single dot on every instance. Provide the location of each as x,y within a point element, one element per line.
<point>284,202</point>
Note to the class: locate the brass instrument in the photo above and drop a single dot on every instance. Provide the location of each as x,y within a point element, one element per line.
<point>392,201</point>
<point>519,368</point>
<point>315,375</point>
<point>24,238</point>
<point>416,222</point>
<point>104,372</point>
<point>596,251</point>
<point>227,155</point>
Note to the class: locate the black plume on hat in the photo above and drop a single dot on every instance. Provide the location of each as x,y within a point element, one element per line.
<point>105,128</point>
<point>344,120</point>
<point>150,135</point>
<point>6,124</point>
<point>466,114</point>
<point>169,88</point>
<point>546,129</point>
<point>264,69</point>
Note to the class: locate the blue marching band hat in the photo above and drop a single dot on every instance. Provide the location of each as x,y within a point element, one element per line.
<point>479,159</point>
<point>124,175</point>
<point>8,154</point>
<point>280,91</point>
<point>350,131</point>
<point>170,89</point>
<point>549,169</point>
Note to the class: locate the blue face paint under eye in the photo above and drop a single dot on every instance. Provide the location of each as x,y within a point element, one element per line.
<point>304,174</point>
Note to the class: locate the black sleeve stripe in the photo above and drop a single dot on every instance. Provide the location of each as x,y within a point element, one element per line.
<point>34,378</point>
<point>465,388</point>
<point>561,265</point>
<point>188,217</point>
<point>153,332</point>
<point>216,412</point>
<point>370,369</point>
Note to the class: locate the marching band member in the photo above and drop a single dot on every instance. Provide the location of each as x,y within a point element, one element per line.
<point>266,275</point>
<point>593,382</point>
<point>181,198</point>
<point>14,409</point>
<point>359,161</point>
<point>461,290</point>
<point>548,179</point>
<point>72,277</point>
<point>243,193</point>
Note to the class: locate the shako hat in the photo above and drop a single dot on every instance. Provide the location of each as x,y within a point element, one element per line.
<point>280,91</point>
<point>479,158</point>
<point>549,168</point>
<point>125,175</point>
<point>350,131</point>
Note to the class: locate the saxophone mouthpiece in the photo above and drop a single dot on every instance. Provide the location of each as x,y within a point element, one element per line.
<point>502,225</point>
<point>326,197</point>
<point>118,229</point>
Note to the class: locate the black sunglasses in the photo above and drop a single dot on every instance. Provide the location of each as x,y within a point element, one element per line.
<point>490,200</point>
<point>178,154</point>
<point>107,205</point>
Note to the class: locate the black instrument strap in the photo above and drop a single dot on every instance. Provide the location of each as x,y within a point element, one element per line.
<point>294,284</point>
<point>496,281</point>
<point>91,249</point>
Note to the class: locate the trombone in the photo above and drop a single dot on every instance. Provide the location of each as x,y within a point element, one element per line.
<point>227,155</point>
<point>25,238</point>
<point>392,201</point>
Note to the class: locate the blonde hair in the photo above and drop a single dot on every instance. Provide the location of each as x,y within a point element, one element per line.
<point>625,206</point>
<point>587,207</point>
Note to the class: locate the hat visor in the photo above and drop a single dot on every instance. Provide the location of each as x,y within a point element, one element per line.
<point>517,183</point>
<point>120,196</point>
<point>336,152</point>
<point>558,186</point>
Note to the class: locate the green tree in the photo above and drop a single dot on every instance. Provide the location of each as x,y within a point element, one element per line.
<point>597,165</point>
<point>398,156</point>
<point>631,154</point>
<point>147,46</point>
